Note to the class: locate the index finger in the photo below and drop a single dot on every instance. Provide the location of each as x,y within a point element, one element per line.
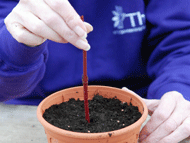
<point>69,15</point>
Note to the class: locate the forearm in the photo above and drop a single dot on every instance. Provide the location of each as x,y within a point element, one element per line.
<point>169,62</point>
<point>169,66</point>
<point>21,67</point>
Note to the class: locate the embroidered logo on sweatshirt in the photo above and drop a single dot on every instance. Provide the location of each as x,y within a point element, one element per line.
<point>136,21</point>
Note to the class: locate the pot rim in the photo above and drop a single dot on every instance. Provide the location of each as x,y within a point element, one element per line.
<point>50,128</point>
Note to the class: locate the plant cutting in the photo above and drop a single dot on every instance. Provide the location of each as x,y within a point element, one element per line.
<point>85,83</point>
<point>107,114</point>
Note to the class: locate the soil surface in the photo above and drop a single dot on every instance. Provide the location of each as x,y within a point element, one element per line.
<point>106,114</point>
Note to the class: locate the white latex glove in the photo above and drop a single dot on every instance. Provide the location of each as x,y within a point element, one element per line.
<point>170,120</point>
<point>31,22</point>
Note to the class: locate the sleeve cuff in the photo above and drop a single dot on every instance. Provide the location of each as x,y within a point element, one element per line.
<point>157,93</point>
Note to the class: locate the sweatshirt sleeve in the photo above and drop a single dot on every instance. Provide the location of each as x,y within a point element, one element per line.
<point>21,67</point>
<point>169,63</point>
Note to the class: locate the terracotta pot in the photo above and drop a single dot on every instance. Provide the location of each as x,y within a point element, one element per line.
<point>128,134</point>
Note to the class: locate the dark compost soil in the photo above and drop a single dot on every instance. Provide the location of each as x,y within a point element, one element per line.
<point>106,114</point>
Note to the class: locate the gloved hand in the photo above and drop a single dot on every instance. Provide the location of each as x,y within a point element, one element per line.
<point>32,22</point>
<point>170,119</point>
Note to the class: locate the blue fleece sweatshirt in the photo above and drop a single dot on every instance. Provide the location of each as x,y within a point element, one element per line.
<point>143,45</point>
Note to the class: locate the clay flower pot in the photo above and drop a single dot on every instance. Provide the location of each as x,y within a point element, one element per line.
<point>127,134</point>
